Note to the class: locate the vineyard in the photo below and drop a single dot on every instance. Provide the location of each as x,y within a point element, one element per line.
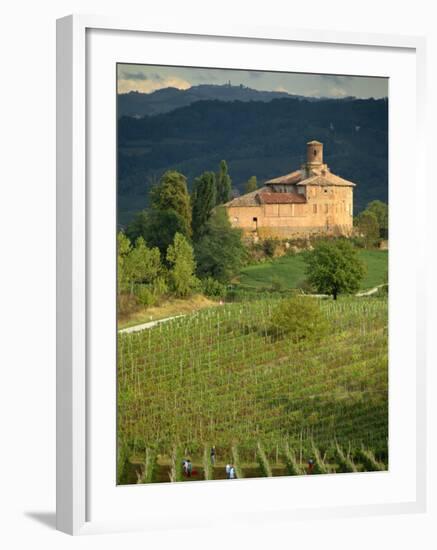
<point>267,403</point>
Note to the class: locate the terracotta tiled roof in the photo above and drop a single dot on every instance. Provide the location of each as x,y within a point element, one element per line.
<point>316,176</point>
<point>249,199</point>
<point>288,179</point>
<point>326,178</point>
<point>281,198</point>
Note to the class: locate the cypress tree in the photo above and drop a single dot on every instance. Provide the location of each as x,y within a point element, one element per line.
<point>203,199</point>
<point>224,184</point>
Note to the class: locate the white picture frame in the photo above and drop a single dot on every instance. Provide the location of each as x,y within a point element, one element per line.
<point>76,308</point>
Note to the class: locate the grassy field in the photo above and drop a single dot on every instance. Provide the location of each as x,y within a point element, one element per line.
<point>219,377</point>
<point>168,308</point>
<point>290,271</point>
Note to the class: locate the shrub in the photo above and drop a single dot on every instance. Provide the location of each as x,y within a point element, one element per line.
<point>277,284</point>
<point>269,246</point>
<point>213,288</point>
<point>159,287</point>
<point>127,304</point>
<point>144,295</point>
<point>300,317</point>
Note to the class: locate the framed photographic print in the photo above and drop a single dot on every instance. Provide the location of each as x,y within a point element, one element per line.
<point>240,331</point>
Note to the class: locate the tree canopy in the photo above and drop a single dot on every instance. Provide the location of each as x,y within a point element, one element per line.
<point>333,267</point>
<point>136,264</point>
<point>380,209</point>
<point>203,199</point>
<point>220,252</point>
<point>251,185</point>
<point>171,193</point>
<point>182,267</point>
<point>224,184</point>
<point>368,227</point>
<point>157,227</point>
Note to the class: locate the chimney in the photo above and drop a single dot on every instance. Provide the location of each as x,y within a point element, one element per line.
<point>314,153</point>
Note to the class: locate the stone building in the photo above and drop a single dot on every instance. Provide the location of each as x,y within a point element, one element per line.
<point>305,202</point>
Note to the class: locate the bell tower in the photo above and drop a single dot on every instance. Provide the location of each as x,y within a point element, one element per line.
<point>314,154</point>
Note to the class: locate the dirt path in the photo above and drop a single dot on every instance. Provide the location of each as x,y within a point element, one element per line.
<point>150,324</point>
<point>358,294</point>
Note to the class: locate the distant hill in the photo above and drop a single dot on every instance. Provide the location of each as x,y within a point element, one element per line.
<point>265,139</point>
<point>136,104</point>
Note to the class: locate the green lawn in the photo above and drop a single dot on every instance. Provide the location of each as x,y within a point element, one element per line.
<point>290,271</point>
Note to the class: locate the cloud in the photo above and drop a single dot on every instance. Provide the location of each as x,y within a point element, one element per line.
<point>281,89</point>
<point>147,85</point>
<point>336,91</point>
<point>336,79</point>
<point>135,76</point>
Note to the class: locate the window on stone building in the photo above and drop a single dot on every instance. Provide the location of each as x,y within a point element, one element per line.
<point>326,208</point>
<point>315,208</point>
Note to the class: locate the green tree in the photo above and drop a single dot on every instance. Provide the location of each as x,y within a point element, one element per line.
<point>203,199</point>
<point>141,264</point>
<point>220,252</point>
<point>251,184</point>
<point>300,317</point>
<point>224,184</point>
<point>171,193</point>
<point>333,267</point>
<point>368,227</point>
<point>157,228</point>
<point>380,209</point>
<point>180,256</point>
<point>123,250</point>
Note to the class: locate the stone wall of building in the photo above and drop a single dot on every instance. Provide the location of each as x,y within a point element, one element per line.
<point>328,210</point>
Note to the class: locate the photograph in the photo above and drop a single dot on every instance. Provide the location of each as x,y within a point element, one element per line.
<point>252,274</point>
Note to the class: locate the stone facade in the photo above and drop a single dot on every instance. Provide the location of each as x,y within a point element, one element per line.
<point>305,202</point>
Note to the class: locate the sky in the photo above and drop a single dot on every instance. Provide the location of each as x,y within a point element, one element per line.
<point>148,78</point>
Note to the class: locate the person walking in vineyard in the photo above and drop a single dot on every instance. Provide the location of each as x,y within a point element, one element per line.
<point>228,471</point>
<point>232,473</point>
<point>212,454</point>
<point>310,466</point>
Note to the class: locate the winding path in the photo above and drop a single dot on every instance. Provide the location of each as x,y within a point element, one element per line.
<point>150,324</point>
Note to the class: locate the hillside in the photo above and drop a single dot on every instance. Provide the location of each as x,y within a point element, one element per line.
<point>137,104</point>
<point>265,139</point>
<point>240,388</point>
